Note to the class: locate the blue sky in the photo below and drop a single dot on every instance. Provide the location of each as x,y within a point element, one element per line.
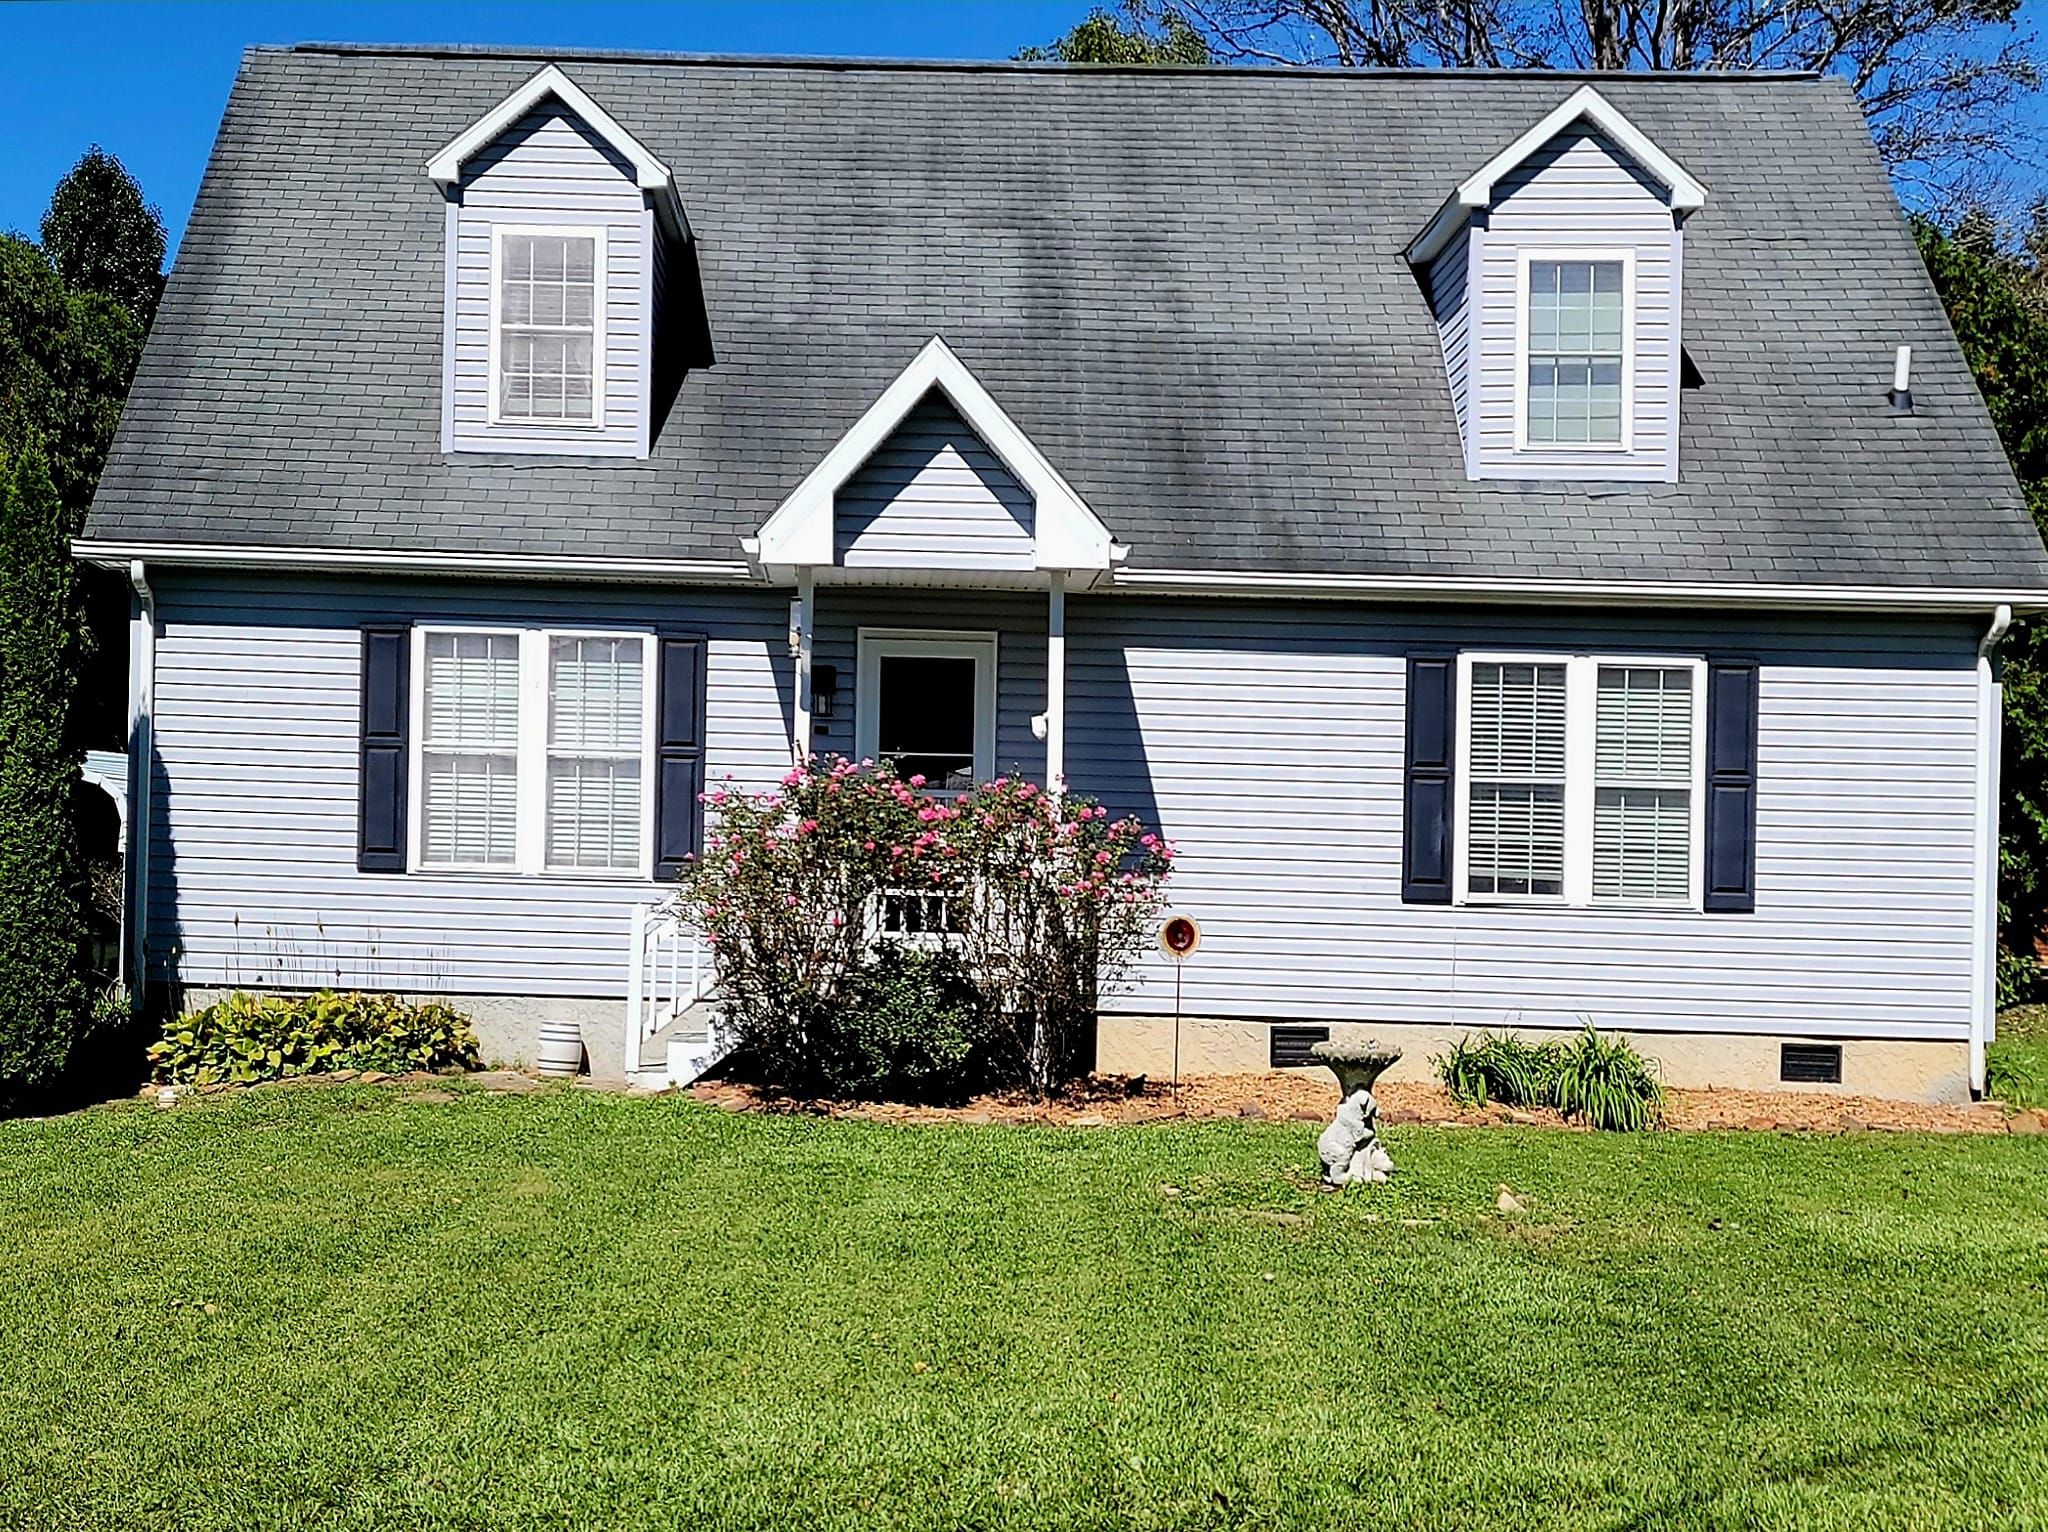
<point>146,79</point>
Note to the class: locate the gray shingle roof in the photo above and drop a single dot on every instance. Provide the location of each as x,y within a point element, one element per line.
<point>1186,287</point>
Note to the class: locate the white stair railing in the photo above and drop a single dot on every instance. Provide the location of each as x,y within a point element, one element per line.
<point>666,975</point>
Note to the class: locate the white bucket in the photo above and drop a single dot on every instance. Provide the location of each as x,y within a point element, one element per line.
<point>561,1048</point>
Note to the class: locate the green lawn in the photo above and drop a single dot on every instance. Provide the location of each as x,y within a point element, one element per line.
<point>2019,1057</point>
<point>334,1307</point>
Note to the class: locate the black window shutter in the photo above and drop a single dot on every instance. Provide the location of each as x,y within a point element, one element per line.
<point>380,811</point>
<point>1426,799</point>
<point>1730,884</point>
<point>679,753</point>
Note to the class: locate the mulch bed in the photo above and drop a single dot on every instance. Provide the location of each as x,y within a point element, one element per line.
<point>1113,1101</point>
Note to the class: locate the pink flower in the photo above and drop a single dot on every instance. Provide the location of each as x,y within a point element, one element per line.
<point>1149,840</point>
<point>867,845</point>
<point>927,815</point>
<point>917,779</point>
<point>1102,858</point>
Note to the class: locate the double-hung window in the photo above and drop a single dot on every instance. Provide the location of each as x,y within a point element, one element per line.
<point>532,751</point>
<point>1577,315</point>
<point>548,331</point>
<point>1580,779</point>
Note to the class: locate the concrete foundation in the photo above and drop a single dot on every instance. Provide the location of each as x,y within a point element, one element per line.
<point>1936,1072</point>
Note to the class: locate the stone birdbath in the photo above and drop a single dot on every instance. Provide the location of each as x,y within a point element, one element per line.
<point>1350,1146</point>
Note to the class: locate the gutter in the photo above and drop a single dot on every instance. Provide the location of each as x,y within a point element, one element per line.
<point>1984,874</point>
<point>1694,594</point>
<point>113,554</point>
<point>141,755</point>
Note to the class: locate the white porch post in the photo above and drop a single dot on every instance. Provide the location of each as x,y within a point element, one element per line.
<point>806,612</point>
<point>1056,684</point>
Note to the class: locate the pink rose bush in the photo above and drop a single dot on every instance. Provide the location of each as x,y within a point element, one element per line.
<point>1036,901</point>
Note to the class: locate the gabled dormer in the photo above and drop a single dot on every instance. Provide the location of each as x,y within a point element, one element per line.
<point>560,227</point>
<point>1553,271</point>
<point>935,476</point>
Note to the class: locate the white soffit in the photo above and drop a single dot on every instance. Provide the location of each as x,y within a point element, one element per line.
<point>649,172</point>
<point>1069,535</point>
<point>1583,105</point>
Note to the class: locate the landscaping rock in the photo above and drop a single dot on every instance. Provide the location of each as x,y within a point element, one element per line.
<point>2027,1122</point>
<point>1508,1202</point>
<point>507,1082</point>
<point>1090,1120</point>
<point>1251,1110</point>
<point>1762,1124</point>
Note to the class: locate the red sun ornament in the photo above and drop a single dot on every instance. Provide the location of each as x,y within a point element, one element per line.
<point>1179,936</point>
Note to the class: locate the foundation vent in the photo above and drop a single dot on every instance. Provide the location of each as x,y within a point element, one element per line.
<point>1810,1063</point>
<point>1288,1047</point>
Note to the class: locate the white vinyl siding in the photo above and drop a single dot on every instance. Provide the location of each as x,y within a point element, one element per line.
<point>1578,779</point>
<point>1866,753</point>
<point>533,757</point>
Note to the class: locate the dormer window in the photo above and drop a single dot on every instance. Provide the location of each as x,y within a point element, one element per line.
<point>1576,344</point>
<point>549,312</point>
<point>560,226</point>
<point>1553,274</point>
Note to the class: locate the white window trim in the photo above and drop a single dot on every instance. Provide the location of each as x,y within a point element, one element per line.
<point>600,268</point>
<point>876,644</point>
<point>530,855</point>
<point>1580,720</point>
<point>1526,258</point>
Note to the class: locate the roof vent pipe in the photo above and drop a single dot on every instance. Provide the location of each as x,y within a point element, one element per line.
<point>1901,395</point>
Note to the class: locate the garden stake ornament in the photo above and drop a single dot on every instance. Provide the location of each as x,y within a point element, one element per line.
<point>1179,937</point>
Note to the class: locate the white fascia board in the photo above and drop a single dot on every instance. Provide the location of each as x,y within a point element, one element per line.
<point>1069,535</point>
<point>1476,190</point>
<point>649,172</point>
<point>1313,586</point>
<point>113,554</point>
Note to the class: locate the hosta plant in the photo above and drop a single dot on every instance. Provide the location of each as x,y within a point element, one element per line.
<point>244,1038</point>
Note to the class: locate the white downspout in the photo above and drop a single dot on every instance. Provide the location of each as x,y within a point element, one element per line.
<point>1056,684</point>
<point>141,754</point>
<point>806,617</point>
<point>1984,884</point>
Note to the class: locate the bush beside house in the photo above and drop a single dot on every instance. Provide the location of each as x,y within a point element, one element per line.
<point>242,1038</point>
<point>875,938</point>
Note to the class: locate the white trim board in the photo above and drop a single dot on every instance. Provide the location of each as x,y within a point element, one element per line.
<point>1584,104</point>
<point>650,174</point>
<point>1068,535</point>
